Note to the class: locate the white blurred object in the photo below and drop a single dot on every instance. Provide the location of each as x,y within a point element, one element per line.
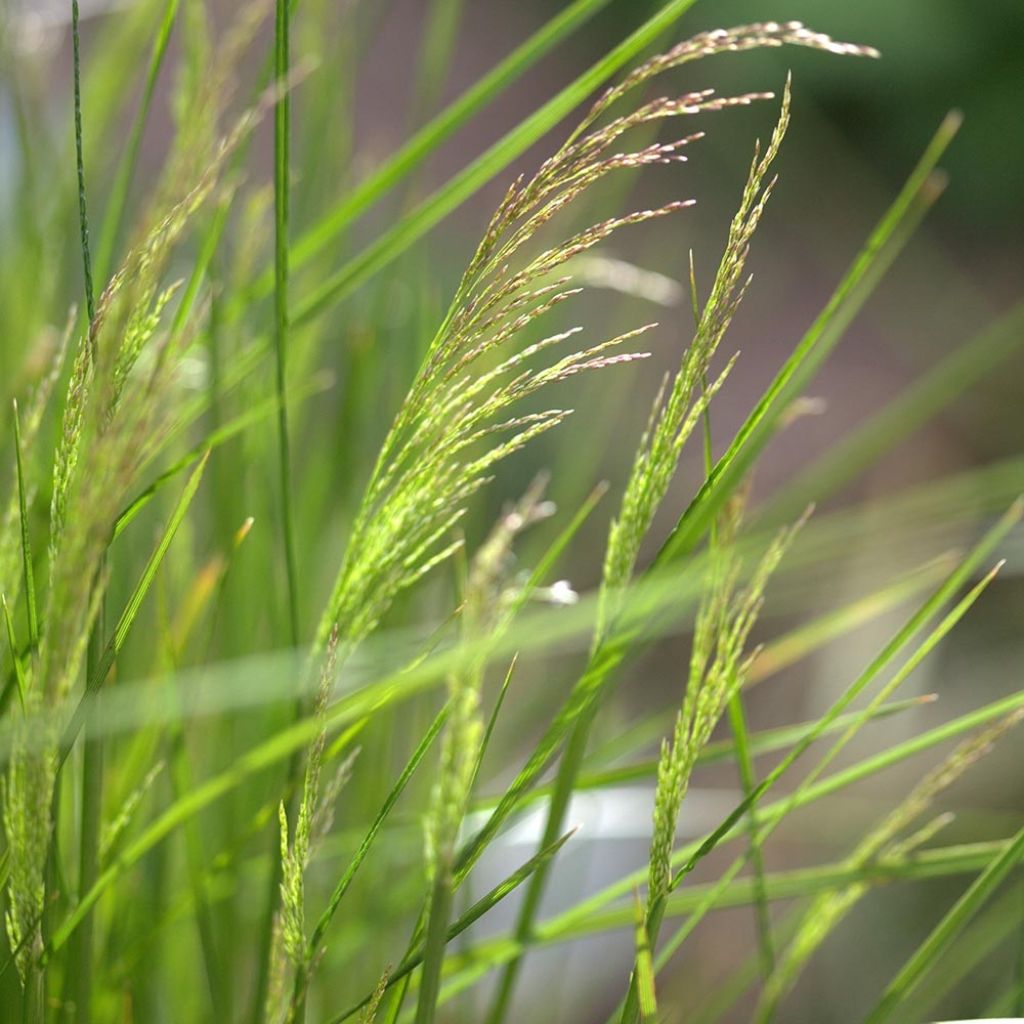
<point>35,25</point>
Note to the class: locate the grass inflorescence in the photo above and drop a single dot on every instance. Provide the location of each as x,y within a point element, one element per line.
<point>299,705</point>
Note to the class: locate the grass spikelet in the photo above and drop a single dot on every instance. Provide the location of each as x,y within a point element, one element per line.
<point>719,661</point>
<point>484,615</point>
<point>676,412</point>
<point>401,519</point>
<point>312,822</point>
<point>297,849</point>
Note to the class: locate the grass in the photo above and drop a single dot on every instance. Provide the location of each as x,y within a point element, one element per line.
<point>293,663</point>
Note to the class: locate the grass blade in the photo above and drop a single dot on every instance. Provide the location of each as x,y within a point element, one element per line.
<point>320,931</point>
<point>124,624</point>
<point>83,213</point>
<point>26,545</point>
<point>18,678</point>
<point>393,242</point>
<point>430,137</point>
<point>924,399</point>
<point>482,906</point>
<point>914,970</point>
<point>118,200</point>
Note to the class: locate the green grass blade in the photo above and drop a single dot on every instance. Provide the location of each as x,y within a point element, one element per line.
<point>430,137</point>
<point>798,643</point>
<point>393,242</point>
<point>282,171</point>
<point>83,213</point>
<point>800,883</point>
<point>114,216</point>
<point>923,400</point>
<point>901,638</point>
<point>481,907</point>
<point>223,433</point>
<point>26,545</point>
<point>748,780</point>
<point>776,810</point>
<point>647,1002</point>
<point>769,741</point>
<point>124,624</point>
<point>914,970</point>
<point>440,37</point>
<point>320,931</point>
<point>17,680</point>
<point>206,793</point>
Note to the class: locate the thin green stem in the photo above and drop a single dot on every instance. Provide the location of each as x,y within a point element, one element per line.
<point>83,214</point>
<point>80,953</point>
<point>281,171</point>
<point>282,133</point>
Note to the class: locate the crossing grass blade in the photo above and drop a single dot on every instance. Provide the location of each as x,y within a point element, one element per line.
<point>924,399</point>
<point>438,129</point>
<point>98,675</point>
<point>393,242</point>
<point>470,917</point>
<point>921,961</point>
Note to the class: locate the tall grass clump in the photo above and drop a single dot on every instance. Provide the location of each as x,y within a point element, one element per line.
<point>218,805</point>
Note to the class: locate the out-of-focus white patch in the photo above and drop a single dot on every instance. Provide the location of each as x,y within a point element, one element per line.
<point>622,812</point>
<point>620,276</point>
<point>560,592</point>
<point>35,26</point>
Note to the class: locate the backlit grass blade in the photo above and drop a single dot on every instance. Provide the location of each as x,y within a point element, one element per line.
<point>481,907</point>
<point>918,655</point>
<point>769,741</point>
<point>914,970</point>
<point>924,399</point>
<point>430,137</point>
<point>940,862</point>
<point>972,949</point>
<point>823,788</point>
<point>124,624</point>
<point>897,643</point>
<point>804,640</point>
<point>393,242</point>
<point>26,544</point>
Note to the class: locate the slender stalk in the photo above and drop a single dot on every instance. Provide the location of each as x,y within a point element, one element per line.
<point>83,214</point>
<point>80,954</point>
<point>765,944</point>
<point>562,791</point>
<point>282,119</point>
<point>433,953</point>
